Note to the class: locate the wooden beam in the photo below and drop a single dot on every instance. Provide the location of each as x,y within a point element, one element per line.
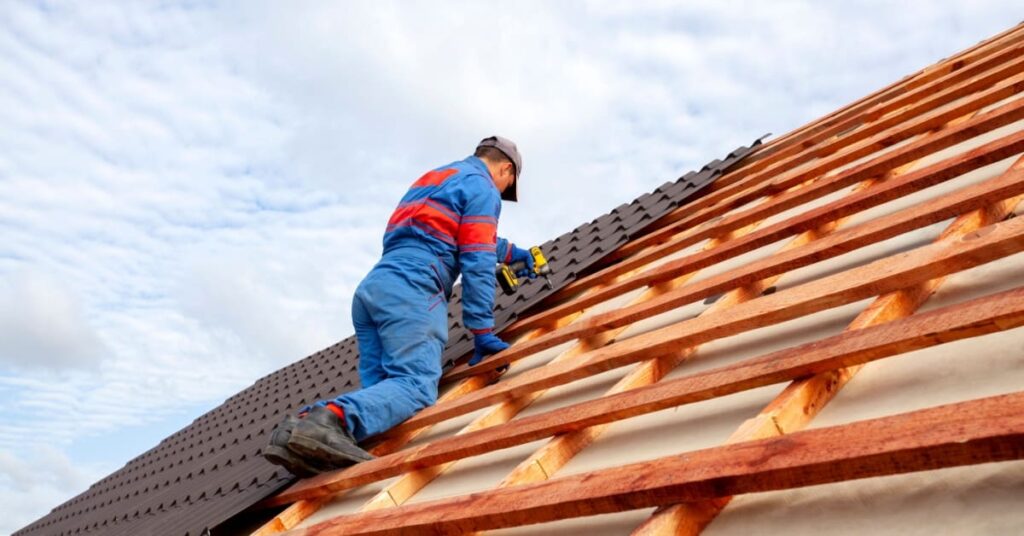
<point>1001,116</point>
<point>927,213</point>
<point>862,282</point>
<point>801,401</point>
<point>550,458</point>
<point>978,317</point>
<point>979,431</point>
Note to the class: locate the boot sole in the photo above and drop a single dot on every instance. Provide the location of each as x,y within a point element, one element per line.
<point>312,448</point>
<point>281,456</point>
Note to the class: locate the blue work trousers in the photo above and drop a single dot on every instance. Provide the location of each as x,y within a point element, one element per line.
<point>400,315</point>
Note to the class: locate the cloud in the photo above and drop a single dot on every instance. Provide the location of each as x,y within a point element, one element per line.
<point>189,192</point>
<point>42,325</point>
<point>38,482</point>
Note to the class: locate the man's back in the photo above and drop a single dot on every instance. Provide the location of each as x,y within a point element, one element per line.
<point>452,212</point>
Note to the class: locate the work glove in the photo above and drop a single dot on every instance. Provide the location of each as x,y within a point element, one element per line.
<point>520,254</point>
<point>484,345</point>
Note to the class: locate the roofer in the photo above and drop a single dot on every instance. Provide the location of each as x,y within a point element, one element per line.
<point>445,224</point>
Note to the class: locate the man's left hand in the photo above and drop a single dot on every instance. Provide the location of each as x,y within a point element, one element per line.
<point>486,344</point>
<point>524,255</point>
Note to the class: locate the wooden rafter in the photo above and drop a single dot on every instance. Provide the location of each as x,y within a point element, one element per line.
<point>549,459</point>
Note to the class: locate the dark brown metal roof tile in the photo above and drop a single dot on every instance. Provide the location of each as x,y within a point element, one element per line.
<point>210,470</point>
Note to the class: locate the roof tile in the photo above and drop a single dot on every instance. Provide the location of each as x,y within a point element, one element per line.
<point>209,471</point>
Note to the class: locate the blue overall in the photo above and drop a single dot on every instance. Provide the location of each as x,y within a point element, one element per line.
<point>446,224</point>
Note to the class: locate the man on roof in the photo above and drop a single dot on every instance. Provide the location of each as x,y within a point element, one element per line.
<point>446,224</point>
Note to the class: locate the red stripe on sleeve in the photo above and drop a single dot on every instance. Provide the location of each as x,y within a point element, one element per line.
<point>477,233</point>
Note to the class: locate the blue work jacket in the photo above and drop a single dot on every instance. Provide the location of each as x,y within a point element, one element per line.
<point>452,212</point>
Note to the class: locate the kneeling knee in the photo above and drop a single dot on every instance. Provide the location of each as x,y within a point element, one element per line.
<point>427,394</point>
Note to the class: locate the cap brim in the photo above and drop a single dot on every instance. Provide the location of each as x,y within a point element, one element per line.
<point>511,193</point>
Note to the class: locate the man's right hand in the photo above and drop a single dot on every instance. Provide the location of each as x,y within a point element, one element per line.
<point>486,344</point>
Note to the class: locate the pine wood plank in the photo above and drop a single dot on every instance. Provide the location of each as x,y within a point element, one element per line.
<point>967,433</point>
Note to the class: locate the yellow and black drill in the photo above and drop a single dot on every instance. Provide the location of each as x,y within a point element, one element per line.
<point>507,273</point>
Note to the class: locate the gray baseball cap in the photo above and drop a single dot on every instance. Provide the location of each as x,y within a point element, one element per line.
<point>508,147</point>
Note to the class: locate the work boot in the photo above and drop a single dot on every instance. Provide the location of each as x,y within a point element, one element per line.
<point>322,438</point>
<point>277,453</point>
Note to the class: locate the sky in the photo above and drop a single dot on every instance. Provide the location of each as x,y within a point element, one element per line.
<point>190,191</point>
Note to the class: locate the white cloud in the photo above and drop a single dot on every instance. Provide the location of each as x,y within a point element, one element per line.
<point>42,326</point>
<point>36,483</point>
<point>189,193</point>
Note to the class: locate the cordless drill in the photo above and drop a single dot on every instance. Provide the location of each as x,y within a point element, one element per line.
<point>507,273</point>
